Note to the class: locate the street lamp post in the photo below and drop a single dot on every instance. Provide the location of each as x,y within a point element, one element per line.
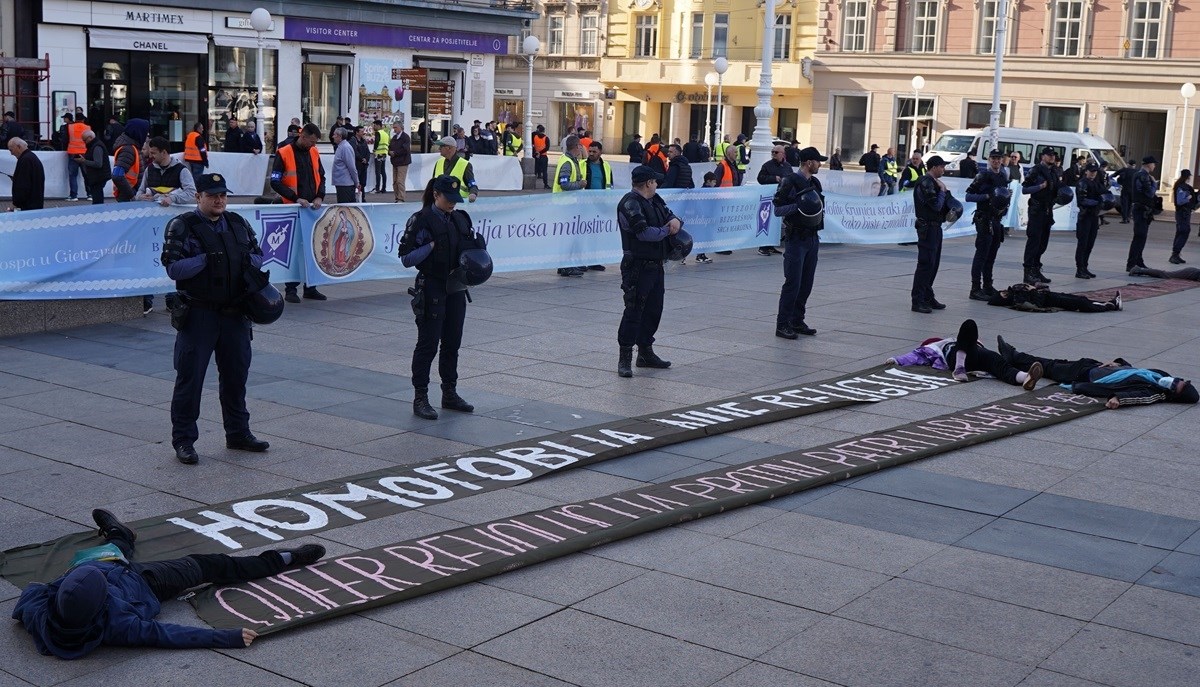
<point>720,66</point>
<point>1188,90</point>
<point>918,82</point>
<point>530,46</point>
<point>710,80</point>
<point>762,140</point>
<point>260,21</point>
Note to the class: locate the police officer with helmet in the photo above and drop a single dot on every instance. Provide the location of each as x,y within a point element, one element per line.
<point>934,205</point>
<point>215,260</point>
<point>1145,193</point>
<point>1041,185</point>
<point>800,201</point>
<point>991,195</point>
<point>648,229</point>
<point>440,241</point>
<point>1090,190</point>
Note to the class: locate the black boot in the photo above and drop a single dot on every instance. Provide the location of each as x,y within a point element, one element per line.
<point>421,407</point>
<point>990,290</point>
<point>1006,350</point>
<point>291,295</point>
<point>1176,260</point>
<point>112,528</point>
<point>1042,277</point>
<point>625,361</point>
<point>648,358</point>
<point>1031,276</point>
<point>978,294</point>
<point>452,401</point>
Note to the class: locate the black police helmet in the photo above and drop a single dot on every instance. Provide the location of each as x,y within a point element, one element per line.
<point>1065,195</point>
<point>265,305</point>
<point>474,266</point>
<point>680,244</point>
<point>954,209</point>
<point>1109,201</point>
<point>1001,195</point>
<point>809,210</point>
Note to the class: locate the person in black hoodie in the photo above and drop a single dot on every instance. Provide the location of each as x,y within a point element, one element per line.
<point>97,169</point>
<point>106,598</point>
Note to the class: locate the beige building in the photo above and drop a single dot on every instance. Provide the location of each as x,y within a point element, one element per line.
<point>566,72</point>
<point>659,51</point>
<point>1113,69</point>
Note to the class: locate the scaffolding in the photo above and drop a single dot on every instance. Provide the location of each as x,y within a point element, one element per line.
<point>25,90</point>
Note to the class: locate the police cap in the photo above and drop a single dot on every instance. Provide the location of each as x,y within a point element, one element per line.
<point>1092,167</point>
<point>641,174</point>
<point>448,187</point>
<point>1049,151</point>
<point>211,183</point>
<point>995,153</point>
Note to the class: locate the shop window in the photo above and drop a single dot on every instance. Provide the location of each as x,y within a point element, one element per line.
<point>720,35</point>
<point>913,132</point>
<point>1146,29</point>
<point>646,36</point>
<point>1052,118</point>
<point>589,31</point>
<point>854,26</point>
<point>554,34</point>
<point>783,37</point>
<point>233,92</point>
<point>1067,35</point>
<point>979,115</point>
<point>321,94</point>
<point>849,125</point>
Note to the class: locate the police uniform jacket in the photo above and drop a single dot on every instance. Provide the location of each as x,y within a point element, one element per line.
<point>929,201</point>
<point>787,195</point>
<point>1144,188</point>
<point>981,193</point>
<point>1042,200</point>
<point>433,241</point>
<point>209,260</point>
<point>1088,194</point>
<point>643,223</point>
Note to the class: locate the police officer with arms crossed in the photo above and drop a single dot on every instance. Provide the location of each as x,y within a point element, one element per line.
<point>1041,185</point>
<point>645,222</point>
<point>434,241</point>
<point>800,201</point>
<point>299,177</point>
<point>1089,196</point>
<point>211,253</point>
<point>1145,190</point>
<point>931,200</point>
<point>991,195</point>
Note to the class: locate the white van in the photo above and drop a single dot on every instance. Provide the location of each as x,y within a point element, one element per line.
<point>952,146</point>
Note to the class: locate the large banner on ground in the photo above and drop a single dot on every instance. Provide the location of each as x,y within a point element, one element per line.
<point>375,577</point>
<point>283,515</point>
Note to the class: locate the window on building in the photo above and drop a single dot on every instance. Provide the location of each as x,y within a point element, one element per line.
<point>665,124</point>
<point>720,34</point>
<point>925,25</point>
<point>785,129</point>
<point>646,34</point>
<point>849,131</point>
<point>783,36</point>
<point>1145,33</point>
<point>854,26</point>
<point>979,115</point>
<point>913,132</point>
<point>697,35</point>
<point>988,21</point>
<point>1053,118</point>
<point>1067,37</point>
<point>589,31</point>
<point>554,34</point>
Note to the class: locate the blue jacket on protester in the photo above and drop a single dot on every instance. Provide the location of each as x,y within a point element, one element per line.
<point>127,617</point>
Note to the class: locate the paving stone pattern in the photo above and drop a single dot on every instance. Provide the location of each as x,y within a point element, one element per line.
<point>1067,556</point>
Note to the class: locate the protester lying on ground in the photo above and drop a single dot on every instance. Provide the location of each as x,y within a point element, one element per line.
<point>1117,380</point>
<point>1189,273</point>
<point>970,358</point>
<point>107,599</point>
<point>1039,298</point>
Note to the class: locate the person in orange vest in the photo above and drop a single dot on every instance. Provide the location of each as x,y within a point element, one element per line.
<point>75,147</point>
<point>656,159</point>
<point>298,177</point>
<point>195,150</point>
<point>541,158</point>
<point>727,172</point>
<point>127,162</point>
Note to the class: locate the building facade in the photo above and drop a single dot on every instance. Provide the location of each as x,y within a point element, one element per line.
<point>566,69</point>
<point>1112,68</point>
<point>659,52</point>
<point>179,65</point>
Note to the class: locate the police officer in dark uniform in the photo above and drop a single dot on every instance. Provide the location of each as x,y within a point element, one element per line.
<point>1041,185</point>
<point>1089,196</point>
<point>931,202</point>
<point>209,252</point>
<point>800,201</point>
<point>434,240</point>
<point>990,193</point>
<point>1145,191</point>
<point>645,222</point>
